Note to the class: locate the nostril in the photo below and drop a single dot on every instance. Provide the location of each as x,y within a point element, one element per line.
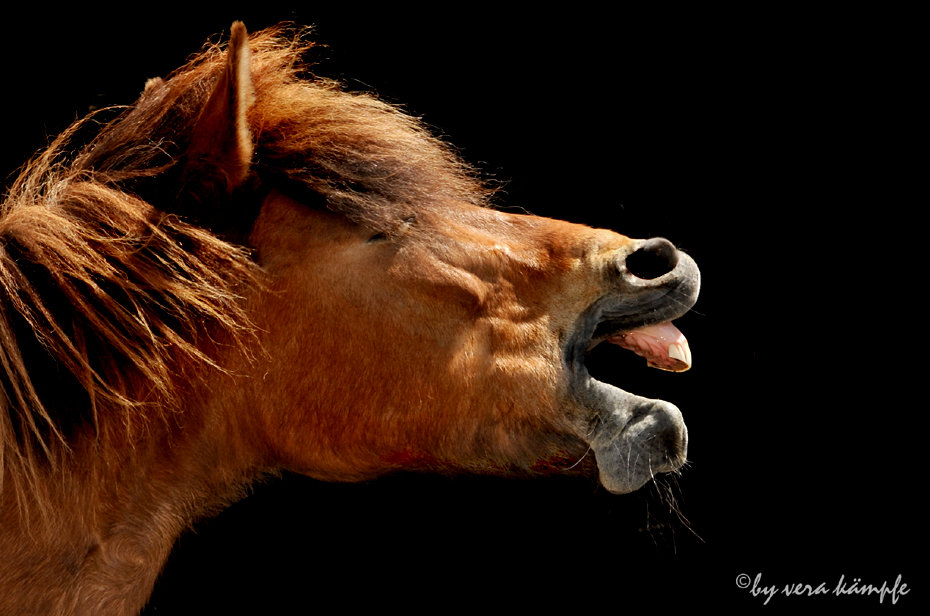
<point>656,257</point>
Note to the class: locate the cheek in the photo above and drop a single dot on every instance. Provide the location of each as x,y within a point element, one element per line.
<point>354,329</point>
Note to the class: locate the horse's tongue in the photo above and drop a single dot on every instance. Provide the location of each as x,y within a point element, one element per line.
<point>662,345</point>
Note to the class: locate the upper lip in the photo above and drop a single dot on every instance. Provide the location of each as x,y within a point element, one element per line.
<point>633,303</point>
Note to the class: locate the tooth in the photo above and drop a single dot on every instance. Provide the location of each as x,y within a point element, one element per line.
<point>679,352</point>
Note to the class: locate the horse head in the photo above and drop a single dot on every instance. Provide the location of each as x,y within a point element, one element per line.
<point>423,330</point>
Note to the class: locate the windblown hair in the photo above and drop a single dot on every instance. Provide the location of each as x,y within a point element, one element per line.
<point>124,262</point>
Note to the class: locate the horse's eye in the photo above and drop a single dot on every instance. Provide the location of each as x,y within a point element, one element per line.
<point>382,236</point>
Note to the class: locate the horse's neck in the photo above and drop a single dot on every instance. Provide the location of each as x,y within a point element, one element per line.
<point>100,539</point>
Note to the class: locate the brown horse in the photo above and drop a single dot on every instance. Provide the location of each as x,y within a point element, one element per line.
<point>248,272</point>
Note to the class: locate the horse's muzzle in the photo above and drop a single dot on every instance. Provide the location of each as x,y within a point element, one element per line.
<point>634,438</point>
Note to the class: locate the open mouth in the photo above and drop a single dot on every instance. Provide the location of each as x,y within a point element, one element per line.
<point>633,437</point>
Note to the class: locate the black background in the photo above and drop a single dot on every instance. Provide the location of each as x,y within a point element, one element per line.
<point>738,136</point>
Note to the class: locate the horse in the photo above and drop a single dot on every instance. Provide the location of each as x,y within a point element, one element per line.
<point>250,271</point>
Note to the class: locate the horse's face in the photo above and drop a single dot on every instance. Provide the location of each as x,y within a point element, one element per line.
<point>458,342</point>
<point>454,336</point>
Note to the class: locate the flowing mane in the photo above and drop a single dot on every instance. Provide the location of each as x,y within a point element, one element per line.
<point>112,279</point>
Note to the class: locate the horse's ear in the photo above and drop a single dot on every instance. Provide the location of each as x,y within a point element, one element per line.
<point>220,151</point>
